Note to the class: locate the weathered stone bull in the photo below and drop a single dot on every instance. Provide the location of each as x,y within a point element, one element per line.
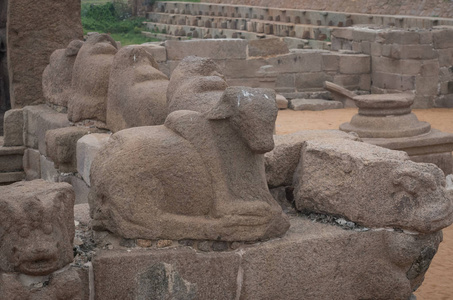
<point>198,176</point>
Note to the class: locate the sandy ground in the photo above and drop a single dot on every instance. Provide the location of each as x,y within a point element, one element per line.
<point>438,284</point>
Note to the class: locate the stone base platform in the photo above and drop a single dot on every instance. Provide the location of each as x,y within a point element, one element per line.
<point>312,261</point>
<point>434,147</point>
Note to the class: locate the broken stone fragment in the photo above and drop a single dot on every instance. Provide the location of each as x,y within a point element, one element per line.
<point>372,186</point>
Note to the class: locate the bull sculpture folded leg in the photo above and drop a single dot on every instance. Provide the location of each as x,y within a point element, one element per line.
<point>198,176</point>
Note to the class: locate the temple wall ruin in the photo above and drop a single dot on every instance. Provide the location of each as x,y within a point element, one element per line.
<point>438,8</point>
<point>364,52</point>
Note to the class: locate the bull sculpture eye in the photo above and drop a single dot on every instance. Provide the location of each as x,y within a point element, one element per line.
<point>47,228</point>
<point>24,232</point>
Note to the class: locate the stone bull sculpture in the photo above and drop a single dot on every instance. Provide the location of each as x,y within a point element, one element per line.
<point>198,176</point>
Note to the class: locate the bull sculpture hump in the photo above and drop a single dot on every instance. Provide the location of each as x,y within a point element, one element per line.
<point>198,176</point>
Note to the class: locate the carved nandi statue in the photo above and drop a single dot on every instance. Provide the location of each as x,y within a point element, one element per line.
<point>198,176</point>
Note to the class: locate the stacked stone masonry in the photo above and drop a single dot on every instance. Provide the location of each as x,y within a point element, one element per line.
<point>416,61</point>
<point>400,53</point>
<point>439,8</point>
<point>296,70</point>
<point>180,20</point>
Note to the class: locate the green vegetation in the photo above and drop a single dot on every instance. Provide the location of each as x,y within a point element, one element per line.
<point>113,18</point>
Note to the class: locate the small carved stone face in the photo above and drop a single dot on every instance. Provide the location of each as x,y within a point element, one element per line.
<point>36,236</point>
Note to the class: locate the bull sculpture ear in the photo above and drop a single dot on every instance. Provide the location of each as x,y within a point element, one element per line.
<point>222,110</point>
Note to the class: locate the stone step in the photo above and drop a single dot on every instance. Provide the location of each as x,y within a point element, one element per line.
<point>278,28</point>
<point>307,95</point>
<point>11,158</point>
<point>11,177</point>
<point>314,104</point>
<point>11,163</point>
<point>163,36</point>
<point>156,30</point>
<point>298,16</point>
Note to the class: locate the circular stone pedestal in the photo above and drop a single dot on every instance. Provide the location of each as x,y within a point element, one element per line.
<point>385,116</point>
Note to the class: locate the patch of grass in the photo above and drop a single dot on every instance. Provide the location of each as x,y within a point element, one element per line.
<point>180,0</point>
<point>131,38</point>
<point>95,1</point>
<point>114,18</point>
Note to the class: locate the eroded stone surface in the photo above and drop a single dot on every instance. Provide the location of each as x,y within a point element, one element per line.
<point>37,227</point>
<point>372,186</point>
<point>90,79</point>
<point>196,84</point>
<point>200,176</point>
<point>137,90</point>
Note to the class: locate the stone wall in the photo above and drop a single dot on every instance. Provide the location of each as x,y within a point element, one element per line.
<point>296,70</point>
<point>439,8</point>
<point>416,61</point>
<point>31,40</point>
